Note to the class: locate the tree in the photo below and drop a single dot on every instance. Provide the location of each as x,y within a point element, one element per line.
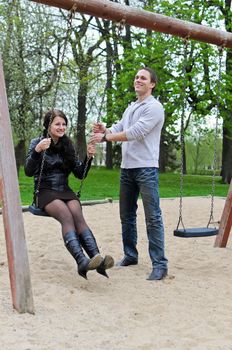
<point>84,57</point>
<point>226,108</point>
<point>166,55</point>
<point>30,69</point>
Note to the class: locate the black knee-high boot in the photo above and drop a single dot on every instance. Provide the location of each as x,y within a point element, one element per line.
<point>89,244</point>
<point>72,243</point>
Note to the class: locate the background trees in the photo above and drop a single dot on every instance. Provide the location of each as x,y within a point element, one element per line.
<point>100,61</point>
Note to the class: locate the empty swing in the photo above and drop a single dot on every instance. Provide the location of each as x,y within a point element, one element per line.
<point>33,208</point>
<point>198,231</point>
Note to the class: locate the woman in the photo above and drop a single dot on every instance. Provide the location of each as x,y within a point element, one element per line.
<point>57,198</point>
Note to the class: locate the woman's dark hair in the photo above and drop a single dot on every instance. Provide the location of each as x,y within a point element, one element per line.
<point>65,146</point>
<point>50,115</point>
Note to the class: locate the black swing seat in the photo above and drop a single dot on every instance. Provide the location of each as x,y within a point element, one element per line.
<point>196,232</point>
<point>36,211</point>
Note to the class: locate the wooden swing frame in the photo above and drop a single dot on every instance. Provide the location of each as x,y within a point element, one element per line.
<point>19,272</point>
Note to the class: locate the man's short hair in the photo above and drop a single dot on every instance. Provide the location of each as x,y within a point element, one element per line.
<point>152,74</point>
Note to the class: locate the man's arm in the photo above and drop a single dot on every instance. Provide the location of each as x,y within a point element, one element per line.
<point>108,136</point>
<point>118,136</point>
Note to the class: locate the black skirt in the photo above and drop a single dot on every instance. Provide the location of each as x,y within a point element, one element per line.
<point>47,196</point>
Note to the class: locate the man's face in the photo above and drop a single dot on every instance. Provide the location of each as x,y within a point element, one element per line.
<point>142,82</point>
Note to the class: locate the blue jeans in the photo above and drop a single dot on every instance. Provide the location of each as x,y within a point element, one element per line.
<point>145,182</point>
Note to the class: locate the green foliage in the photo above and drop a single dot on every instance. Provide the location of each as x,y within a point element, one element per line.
<point>200,148</point>
<point>165,54</point>
<point>32,38</point>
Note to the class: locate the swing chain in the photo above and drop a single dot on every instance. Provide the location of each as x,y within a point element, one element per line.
<point>211,217</point>
<point>182,132</point>
<point>68,32</point>
<point>83,178</point>
<point>86,166</point>
<point>88,158</point>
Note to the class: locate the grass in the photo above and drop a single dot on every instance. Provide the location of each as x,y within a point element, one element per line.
<point>102,183</point>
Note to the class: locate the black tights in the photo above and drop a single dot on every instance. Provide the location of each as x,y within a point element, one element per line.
<point>69,214</point>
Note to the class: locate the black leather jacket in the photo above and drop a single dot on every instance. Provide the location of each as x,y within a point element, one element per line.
<point>55,173</point>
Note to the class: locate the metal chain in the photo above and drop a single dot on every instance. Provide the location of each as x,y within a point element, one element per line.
<point>180,220</point>
<point>68,32</point>
<point>87,163</point>
<point>211,218</point>
<point>86,167</point>
<point>83,177</point>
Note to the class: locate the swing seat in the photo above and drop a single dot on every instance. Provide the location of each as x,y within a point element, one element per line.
<point>36,211</point>
<point>195,232</point>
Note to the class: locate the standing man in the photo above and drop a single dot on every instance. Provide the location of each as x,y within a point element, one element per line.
<point>140,130</point>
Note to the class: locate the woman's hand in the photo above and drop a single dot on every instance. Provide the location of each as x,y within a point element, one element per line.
<point>96,138</point>
<point>91,150</point>
<point>43,145</point>
<point>99,128</point>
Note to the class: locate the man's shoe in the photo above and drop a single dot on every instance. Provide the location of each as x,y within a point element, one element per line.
<point>126,262</point>
<point>157,274</point>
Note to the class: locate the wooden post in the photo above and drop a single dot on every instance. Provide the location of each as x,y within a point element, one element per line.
<point>12,213</point>
<point>226,222</point>
<point>144,19</point>
<point>1,192</point>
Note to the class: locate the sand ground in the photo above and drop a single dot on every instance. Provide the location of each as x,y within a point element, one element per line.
<point>190,309</point>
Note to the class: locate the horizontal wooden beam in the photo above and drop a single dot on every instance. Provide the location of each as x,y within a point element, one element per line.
<point>144,19</point>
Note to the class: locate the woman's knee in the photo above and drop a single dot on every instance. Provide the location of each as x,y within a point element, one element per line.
<point>66,216</point>
<point>60,212</point>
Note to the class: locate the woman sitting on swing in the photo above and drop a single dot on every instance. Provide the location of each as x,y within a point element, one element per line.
<point>55,196</point>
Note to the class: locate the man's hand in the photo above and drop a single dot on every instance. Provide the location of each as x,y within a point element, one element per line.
<point>96,138</point>
<point>99,128</point>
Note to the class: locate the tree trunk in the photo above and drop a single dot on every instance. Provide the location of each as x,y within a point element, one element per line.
<point>83,61</point>
<point>20,152</point>
<point>81,120</point>
<point>196,162</point>
<point>8,44</point>
<point>184,158</point>
<point>109,155</point>
<point>109,76</point>
<point>162,157</point>
<point>226,172</point>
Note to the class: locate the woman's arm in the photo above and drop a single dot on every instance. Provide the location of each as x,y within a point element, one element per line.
<point>32,161</point>
<point>79,167</point>
<point>82,168</point>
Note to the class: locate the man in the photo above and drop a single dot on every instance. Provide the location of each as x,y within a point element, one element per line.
<point>139,130</point>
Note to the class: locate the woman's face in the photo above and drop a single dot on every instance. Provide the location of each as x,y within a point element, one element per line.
<point>58,128</point>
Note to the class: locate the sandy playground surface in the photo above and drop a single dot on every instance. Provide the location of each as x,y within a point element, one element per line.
<point>190,309</point>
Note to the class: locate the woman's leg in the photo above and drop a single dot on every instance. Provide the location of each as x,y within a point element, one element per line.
<point>87,238</point>
<point>61,212</point>
<point>75,209</point>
